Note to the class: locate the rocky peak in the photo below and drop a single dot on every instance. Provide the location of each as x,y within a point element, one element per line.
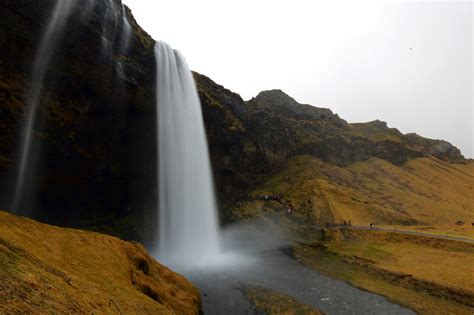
<point>277,97</point>
<point>379,124</point>
<point>280,103</point>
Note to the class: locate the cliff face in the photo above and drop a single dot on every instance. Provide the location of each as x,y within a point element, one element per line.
<point>95,143</point>
<point>251,140</point>
<point>95,148</point>
<point>319,132</point>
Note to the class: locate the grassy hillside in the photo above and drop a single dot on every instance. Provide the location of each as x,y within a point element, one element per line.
<point>423,192</point>
<point>407,269</point>
<point>428,195</point>
<point>46,269</point>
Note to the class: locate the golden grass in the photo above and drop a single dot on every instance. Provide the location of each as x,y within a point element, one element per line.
<point>423,192</point>
<point>274,303</point>
<point>46,269</point>
<point>415,255</point>
<point>428,195</point>
<point>465,231</point>
<point>429,275</point>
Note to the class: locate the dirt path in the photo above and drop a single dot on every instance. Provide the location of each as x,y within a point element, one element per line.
<point>446,237</point>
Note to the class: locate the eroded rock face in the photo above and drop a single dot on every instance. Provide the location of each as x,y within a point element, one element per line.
<point>237,160</point>
<point>251,140</point>
<point>95,135</point>
<point>278,102</point>
<point>95,131</point>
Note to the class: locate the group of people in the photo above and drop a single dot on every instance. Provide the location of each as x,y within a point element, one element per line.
<point>272,197</point>
<point>279,199</point>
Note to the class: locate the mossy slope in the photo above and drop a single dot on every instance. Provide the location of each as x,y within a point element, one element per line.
<point>424,191</point>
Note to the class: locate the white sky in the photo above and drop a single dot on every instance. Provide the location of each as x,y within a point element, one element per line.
<point>407,63</point>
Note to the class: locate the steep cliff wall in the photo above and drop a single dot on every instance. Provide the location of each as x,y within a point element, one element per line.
<point>95,147</point>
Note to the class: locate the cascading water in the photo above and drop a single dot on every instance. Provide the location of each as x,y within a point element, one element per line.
<point>43,57</point>
<point>188,225</point>
<point>124,44</point>
<point>55,27</point>
<point>111,25</point>
<point>87,10</point>
<point>126,32</point>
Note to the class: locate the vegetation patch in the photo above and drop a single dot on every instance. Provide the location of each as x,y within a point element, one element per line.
<point>423,192</point>
<point>274,303</point>
<point>428,275</point>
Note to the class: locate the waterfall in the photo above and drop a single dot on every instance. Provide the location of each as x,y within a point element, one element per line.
<point>41,62</point>
<point>126,32</point>
<point>87,10</point>
<point>188,225</point>
<point>126,35</point>
<point>48,43</point>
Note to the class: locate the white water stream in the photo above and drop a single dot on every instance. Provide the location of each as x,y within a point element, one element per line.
<point>188,225</point>
<point>43,57</point>
<point>51,38</point>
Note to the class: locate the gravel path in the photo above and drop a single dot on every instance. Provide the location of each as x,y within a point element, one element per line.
<point>426,234</point>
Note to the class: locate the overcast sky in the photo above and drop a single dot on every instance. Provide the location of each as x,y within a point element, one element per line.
<point>407,63</point>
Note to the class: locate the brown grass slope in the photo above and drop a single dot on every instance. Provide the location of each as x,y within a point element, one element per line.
<point>428,275</point>
<point>424,191</point>
<point>47,269</point>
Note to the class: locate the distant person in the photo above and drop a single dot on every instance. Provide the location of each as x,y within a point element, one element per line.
<point>350,223</point>
<point>371,226</point>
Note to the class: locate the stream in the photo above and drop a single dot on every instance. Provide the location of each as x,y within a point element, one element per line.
<point>222,287</point>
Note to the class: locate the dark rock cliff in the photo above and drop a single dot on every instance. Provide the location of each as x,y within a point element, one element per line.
<point>95,133</point>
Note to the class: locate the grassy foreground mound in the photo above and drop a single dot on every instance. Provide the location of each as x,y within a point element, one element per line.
<point>47,269</point>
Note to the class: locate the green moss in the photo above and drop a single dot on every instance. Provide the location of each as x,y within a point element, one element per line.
<point>127,227</point>
<point>274,303</point>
